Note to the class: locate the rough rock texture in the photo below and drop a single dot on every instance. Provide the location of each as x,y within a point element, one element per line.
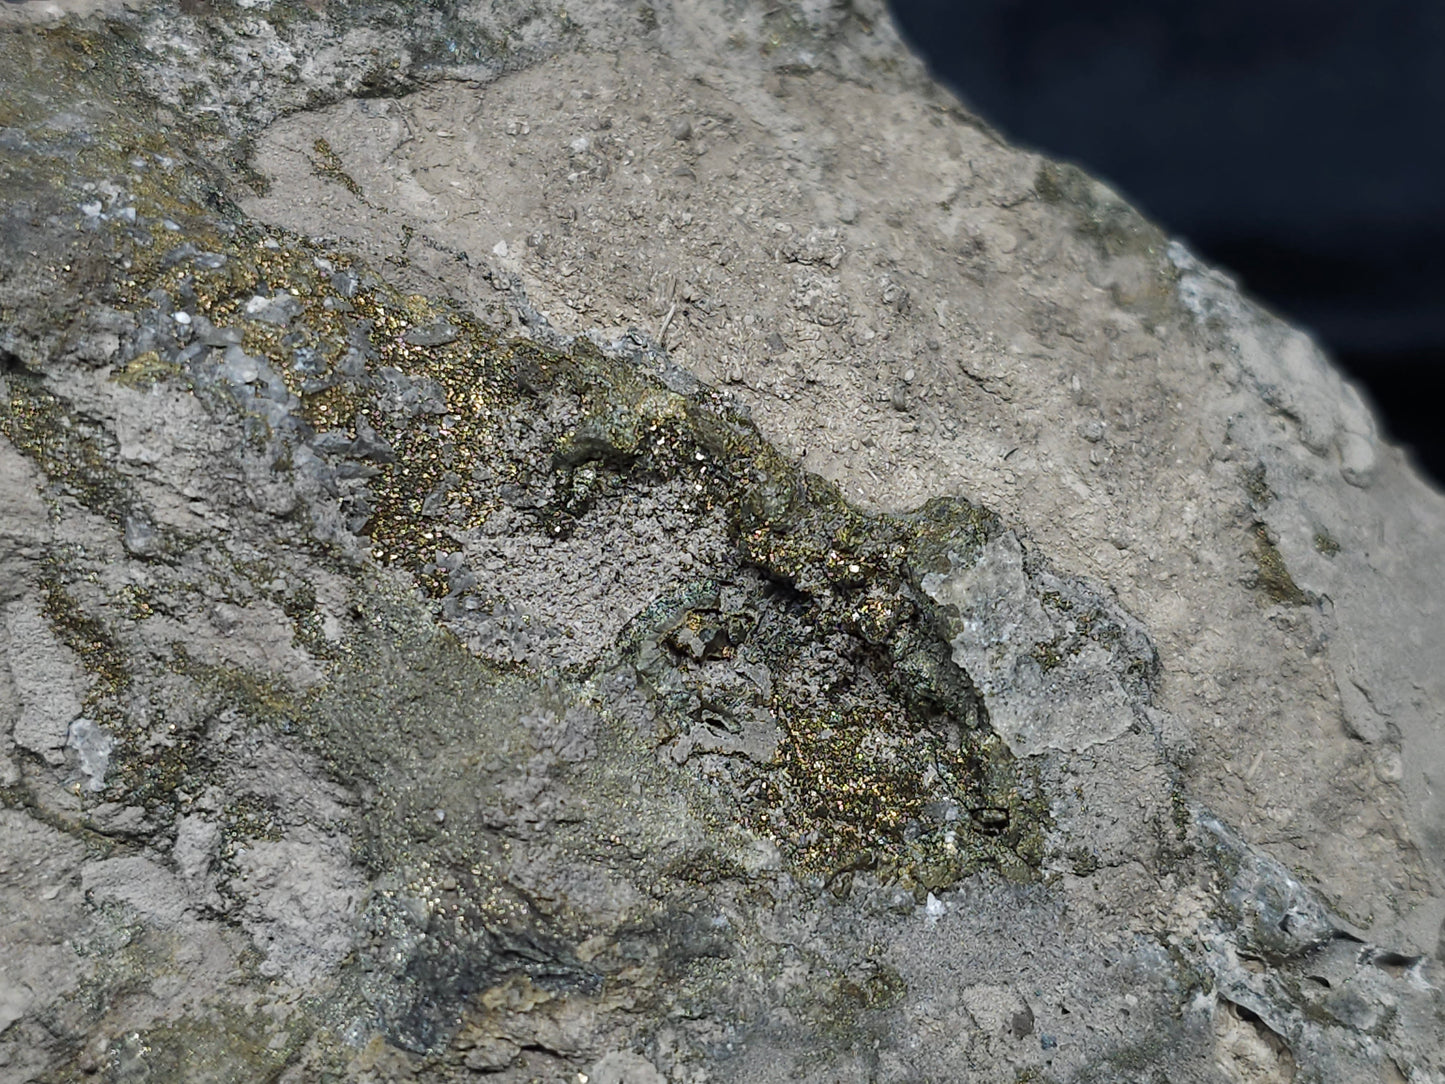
<point>645,543</point>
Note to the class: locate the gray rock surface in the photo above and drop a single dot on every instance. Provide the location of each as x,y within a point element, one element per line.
<point>643,543</point>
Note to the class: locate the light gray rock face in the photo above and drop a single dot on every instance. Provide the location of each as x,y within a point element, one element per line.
<point>45,675</point>
<point>647,544</point>
<point>1049,682</point>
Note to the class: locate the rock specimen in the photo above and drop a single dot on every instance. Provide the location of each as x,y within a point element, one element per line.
<point>646,544</point>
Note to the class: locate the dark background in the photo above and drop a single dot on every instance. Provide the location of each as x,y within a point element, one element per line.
<point>1300,144</point>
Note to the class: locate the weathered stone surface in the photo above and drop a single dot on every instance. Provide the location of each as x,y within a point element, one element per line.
<point>648,544</point>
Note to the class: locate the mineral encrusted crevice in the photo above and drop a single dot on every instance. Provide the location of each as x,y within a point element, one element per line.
<point>385,693</point>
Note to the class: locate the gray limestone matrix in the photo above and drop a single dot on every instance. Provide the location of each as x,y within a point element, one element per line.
<point>630,543</point>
